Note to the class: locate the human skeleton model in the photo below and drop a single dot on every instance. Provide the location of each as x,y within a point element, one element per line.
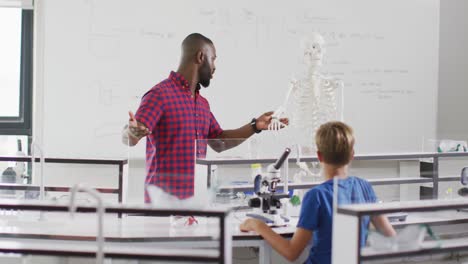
<point>312,101</point>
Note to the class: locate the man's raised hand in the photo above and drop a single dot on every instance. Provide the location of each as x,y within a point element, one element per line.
<point>136,129</point>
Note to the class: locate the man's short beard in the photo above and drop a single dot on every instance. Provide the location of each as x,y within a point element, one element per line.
<point>204,75</point>
<point>205,83</point>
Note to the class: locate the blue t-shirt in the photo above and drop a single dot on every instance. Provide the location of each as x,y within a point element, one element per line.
<point>317,211</point>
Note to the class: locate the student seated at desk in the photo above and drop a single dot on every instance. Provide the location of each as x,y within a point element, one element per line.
<point>335,150</point>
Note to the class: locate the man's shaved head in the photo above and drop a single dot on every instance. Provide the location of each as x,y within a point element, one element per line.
<point>198,52</point>
<point>192,44</point>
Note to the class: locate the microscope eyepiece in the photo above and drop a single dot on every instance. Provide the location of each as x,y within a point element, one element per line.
<point>281,160</point>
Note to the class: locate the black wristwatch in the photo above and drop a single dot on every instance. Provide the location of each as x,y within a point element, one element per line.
<point>253,123</point>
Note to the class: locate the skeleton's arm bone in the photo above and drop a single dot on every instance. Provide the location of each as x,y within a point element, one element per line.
<point>282,109</point>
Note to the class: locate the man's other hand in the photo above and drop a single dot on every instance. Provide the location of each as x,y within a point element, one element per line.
<point>266,119</point>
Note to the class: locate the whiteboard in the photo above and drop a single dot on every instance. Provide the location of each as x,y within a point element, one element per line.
<point>101,56</point>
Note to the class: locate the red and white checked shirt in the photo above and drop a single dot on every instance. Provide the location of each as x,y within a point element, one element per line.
<point>176,120</point>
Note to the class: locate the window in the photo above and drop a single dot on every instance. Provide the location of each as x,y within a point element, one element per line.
<point>16,27</point>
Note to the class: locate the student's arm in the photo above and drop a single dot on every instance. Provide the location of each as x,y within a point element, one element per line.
<point>290,249</point>
<point>383,225</point>
<point>380,222</point>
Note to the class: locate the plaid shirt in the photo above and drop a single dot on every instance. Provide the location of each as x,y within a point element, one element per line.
<point>176,120</point>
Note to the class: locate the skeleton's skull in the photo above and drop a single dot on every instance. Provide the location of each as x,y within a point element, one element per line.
<point>313,47</point>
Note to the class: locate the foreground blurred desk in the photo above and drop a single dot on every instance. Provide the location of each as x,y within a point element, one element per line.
<point>437,218</point>
<point>76,236</point>
<point>45,228</point>
<point>346,227</point>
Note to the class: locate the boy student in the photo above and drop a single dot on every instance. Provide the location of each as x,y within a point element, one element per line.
<point>335,150</point>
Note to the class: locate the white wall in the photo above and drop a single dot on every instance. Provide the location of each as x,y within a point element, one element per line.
<point>453,85</point>
<point>453,70</point>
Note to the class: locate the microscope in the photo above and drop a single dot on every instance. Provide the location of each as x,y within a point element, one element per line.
<point>268,201</point>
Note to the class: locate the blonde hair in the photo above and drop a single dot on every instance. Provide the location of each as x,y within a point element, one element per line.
<point>335,142</point>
